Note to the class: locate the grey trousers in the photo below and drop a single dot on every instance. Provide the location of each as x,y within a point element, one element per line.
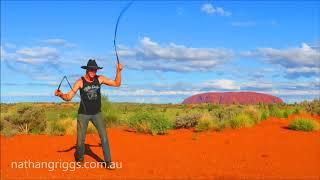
<point>82,125</point>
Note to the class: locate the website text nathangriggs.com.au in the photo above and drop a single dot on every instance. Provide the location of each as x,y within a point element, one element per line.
<point>63,165</point>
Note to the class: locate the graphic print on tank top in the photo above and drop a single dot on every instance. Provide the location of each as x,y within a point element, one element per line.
<point>92,92</point>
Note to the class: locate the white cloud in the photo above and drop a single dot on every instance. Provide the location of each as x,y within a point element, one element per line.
<point>180,11</point>
<point>292,57</point>
<point>36,55</point>
<point>10,45</point>
<point>179,52</point>
<point>302,71</point>
<point>208,8</point>
<point>31,61</point>
<point>221,84</point>
<point>150,55</point>
<point>26,94</point>
<point>59,42</point>
<point>3,53</point>
<point>256,86</point>
<point>302,61</point>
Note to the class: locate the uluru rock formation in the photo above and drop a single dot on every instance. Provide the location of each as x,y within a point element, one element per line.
<point>232,98</point>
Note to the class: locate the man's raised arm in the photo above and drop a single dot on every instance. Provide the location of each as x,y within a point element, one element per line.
<point>71,93</point>
<point>116,82</point>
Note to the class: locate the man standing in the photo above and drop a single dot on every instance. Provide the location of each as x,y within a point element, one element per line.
<point>90,107</point>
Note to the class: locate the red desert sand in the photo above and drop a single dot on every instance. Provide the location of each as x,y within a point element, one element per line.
<point>267,151</point>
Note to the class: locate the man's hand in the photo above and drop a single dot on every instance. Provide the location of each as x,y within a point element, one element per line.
<point>58,93</point>
<point>119,67</point>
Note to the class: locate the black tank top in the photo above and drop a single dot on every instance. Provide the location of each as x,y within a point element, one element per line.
<point>90,97</point>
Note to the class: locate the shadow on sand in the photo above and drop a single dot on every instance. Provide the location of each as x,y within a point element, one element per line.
<point>88,151</point>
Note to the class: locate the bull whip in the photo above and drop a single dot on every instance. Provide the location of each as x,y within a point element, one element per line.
<point>116,28</point>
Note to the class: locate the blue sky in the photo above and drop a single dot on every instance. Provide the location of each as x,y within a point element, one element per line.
<point>169,49</point>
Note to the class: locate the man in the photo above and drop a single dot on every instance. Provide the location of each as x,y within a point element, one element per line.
<point>90,107</point>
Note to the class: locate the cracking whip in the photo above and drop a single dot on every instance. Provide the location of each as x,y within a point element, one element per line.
<point>116,29</point>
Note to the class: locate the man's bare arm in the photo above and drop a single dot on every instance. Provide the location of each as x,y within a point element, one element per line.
<point>68,96</point>
<point>116,82</point>
<point>109,82</point>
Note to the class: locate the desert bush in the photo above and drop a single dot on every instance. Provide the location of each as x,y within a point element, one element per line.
<point>286,113</point>
<point>187,121</point>
<point>211,107</point>
<point>1,123</point>
<point>279,110</point>
<point>70,125</point>
<point>304,124</point>
<point>204,125</point>
<point>149,122</point>
<point>63,115</point>
<point>207,122</point>
<point>164,110</point>
<point>253,113</point>
<point>91,128</point>
<point>111,119</point>
<point>296,111</point>
<point>29,119</point>
<point>56,128</point>
<point>240,121</point>
<point>274,111</point>
<point>226,113</point>
<point>7,128</point>
<point>109,113</point>
<point>264,114</point>
<point>125,110</point>
<point>312,107</point>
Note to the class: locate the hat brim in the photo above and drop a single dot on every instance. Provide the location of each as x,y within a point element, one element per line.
<point>91,67</point>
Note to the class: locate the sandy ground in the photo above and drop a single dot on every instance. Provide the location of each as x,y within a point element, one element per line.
<point>267,151</point>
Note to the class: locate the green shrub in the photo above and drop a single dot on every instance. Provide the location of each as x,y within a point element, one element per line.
<point>312,107</point>
<point>240,121</point>
<point>226,113</point>
<point>211,107</point>
<point>253,113</point>
<point>221,125</point>
<point>264,115</point>
<point>303,124</point>
<point>91,128</point>
<point>286,113</point>
<point>111,119</point>
<point>109,113</point>
<point>296,111</point>
<point>278,110</point>
<point>149,122</point>
<point>1,124</point>
<point>187,121</point>
<point>56,128</point>
<point>7,128</point>
<point>63,115</point>
<point>29,118</point>
<point>204,125</point>
<point>274,111</point>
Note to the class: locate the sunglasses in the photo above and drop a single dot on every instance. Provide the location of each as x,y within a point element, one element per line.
<point>94,70</point>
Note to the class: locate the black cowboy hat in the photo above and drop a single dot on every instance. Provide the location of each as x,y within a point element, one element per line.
<point>91,65</point>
